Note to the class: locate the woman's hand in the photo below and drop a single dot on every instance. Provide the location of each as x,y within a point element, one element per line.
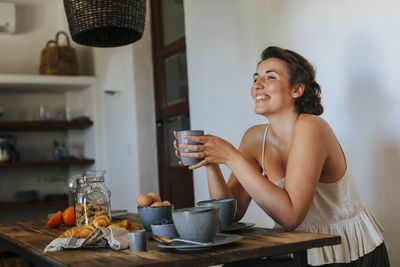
<point>213,149</point>
<point>176,147</point>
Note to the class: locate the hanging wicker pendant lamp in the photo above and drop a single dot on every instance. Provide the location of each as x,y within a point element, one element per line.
<point>105,23</point>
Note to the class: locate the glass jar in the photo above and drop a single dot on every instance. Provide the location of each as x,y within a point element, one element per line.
<point>92,198</point>
<point>5,150</point>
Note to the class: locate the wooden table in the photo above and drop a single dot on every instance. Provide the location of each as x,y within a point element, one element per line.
<point>29,238</point>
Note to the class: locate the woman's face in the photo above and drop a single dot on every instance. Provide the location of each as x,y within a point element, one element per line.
<point>271,87</point>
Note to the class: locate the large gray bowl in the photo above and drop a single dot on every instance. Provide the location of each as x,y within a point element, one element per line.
<point>149,215</point>
<point>197,224</point>
<point>227,209</point>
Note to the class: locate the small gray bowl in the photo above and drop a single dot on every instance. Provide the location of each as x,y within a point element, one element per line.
<point>164,230</point>
<point>227,209</point>
<point>149,215</point>
<point>197,224</point>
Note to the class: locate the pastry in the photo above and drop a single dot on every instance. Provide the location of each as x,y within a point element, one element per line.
<point>114,225</point>
<point>101,221</point>
<point>72,232</point>
<point>85,213</point>
<point>86,231</point>
<point>128,225</point>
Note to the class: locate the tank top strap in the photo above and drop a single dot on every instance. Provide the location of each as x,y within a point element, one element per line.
<point>263,149</point>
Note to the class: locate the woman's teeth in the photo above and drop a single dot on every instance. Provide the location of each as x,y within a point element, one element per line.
<point>260,97</point>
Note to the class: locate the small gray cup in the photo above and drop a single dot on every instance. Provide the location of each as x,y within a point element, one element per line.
<point>137,240</point>
<point>185,160</point>
<point>227,209</point>
<point>149,215</point>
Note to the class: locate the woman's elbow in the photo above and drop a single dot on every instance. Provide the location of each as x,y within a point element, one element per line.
<point>289,227</point>
<point>291,224</point>
<point>239,215</point>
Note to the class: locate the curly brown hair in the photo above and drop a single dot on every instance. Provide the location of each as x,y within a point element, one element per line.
<point>300,72</point>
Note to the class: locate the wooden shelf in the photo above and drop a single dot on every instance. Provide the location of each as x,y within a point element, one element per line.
<point>43,125</point>
<point>46,163</point>
<point>33,205</point>
<point>12,83</point>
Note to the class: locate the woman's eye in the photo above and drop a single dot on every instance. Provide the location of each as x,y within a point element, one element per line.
<point>270,77</point>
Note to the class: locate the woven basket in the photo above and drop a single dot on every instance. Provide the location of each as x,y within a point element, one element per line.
<point>105,23</point>
<point>58,60</point>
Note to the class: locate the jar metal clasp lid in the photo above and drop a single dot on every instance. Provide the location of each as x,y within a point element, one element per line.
<point>80,179</point>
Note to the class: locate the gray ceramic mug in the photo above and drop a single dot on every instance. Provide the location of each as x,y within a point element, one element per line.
<point>185,160</point>
<point>227,209</point>
<point>137,240</point>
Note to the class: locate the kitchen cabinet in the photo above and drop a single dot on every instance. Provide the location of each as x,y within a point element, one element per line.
<point>20,95</point>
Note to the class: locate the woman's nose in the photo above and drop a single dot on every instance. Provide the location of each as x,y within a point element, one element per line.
<point>258,85</point>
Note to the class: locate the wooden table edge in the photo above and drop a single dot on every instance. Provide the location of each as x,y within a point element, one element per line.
<point>46,259</point>
<point>28,253</point>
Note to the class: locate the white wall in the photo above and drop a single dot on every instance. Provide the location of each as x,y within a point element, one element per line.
<point>37,21</point>
<point>129,119</point>
<point>124,121</point>
<point>354,47</point>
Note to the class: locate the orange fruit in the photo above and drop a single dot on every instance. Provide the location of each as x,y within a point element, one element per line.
<point>55,220</point>
<point>69,216</point>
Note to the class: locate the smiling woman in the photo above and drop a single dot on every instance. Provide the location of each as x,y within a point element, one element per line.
<point>305,183</point>
<point>291,67</point>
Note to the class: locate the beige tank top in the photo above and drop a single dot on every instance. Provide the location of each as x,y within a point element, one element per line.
<point>337,209</point>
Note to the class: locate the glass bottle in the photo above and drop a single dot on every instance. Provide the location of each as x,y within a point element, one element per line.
<point>5,150</point>
<point>92,198</point>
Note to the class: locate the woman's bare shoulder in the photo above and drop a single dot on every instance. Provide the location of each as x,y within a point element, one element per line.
<point>311,122</point>
<point>256,131</point>
<point>252,137</point>
<point>313,128</point>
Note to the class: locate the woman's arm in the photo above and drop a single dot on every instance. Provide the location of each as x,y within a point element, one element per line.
<point>289,205</point>
<point>218,188</point>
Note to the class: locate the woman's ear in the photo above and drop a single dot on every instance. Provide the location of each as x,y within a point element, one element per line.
<point>298,90</point>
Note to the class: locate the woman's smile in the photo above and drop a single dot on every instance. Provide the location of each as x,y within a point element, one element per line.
<point>262,97</point>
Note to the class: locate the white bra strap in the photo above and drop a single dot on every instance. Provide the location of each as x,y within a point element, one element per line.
<point>263,148</point>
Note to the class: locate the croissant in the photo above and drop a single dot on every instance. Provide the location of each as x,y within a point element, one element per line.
<point>114,225</point>
<point>128,225</point>
<point>86,231</point>
<point>72,232</point>
<point>101,221</point>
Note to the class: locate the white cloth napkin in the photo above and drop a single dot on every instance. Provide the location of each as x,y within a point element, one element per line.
<point>116,237</point>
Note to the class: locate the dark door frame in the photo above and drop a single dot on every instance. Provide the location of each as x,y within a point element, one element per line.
<point>167,174</point>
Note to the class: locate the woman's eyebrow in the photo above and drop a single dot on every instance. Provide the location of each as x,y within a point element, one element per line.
<point>268,71</point>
